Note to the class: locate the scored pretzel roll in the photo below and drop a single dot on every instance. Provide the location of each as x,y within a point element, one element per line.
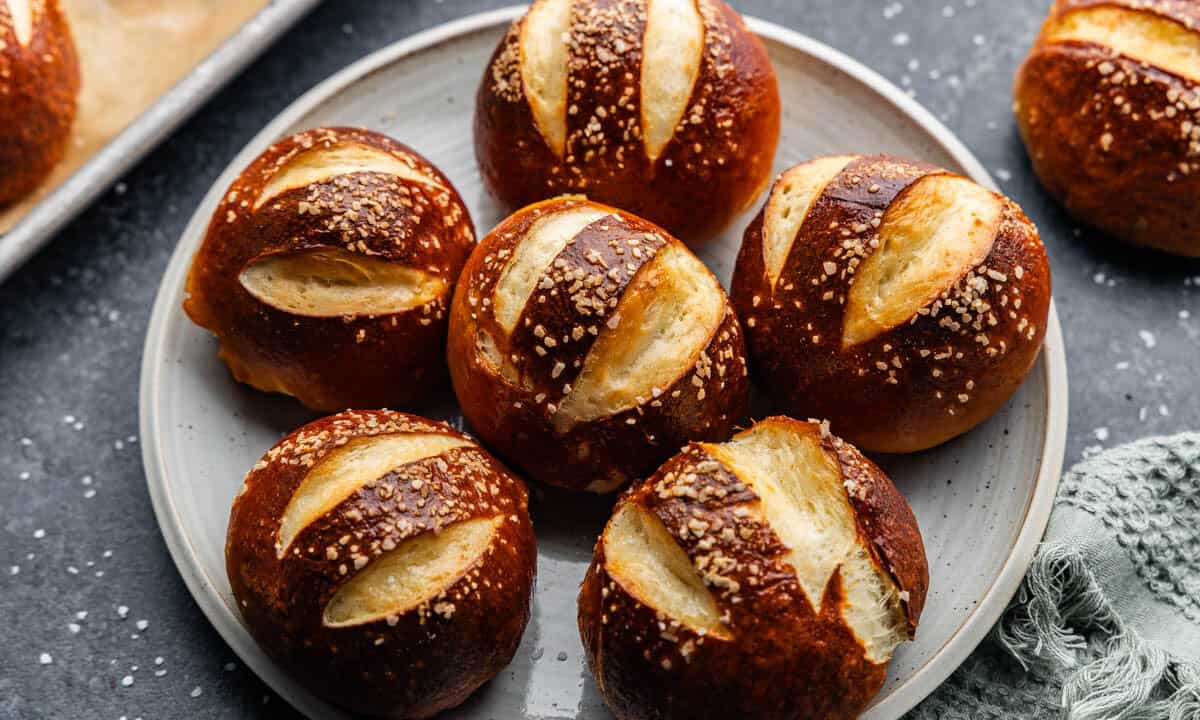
<point>668,109</point>
<point>587,345</point>
<point>901,302</point>
<point>385,560</point>
<point>771,576</point>
<point>39,89</point>
<point>328,268</point>
<point>1108,104</point>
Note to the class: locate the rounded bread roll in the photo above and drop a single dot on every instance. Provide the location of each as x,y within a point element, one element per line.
<point>328,268</point>
<point>385,560</point>
<point>900,301</point>
<point>665,108</point>
<point>1108,103</point>
<point>39,89</point>
<point>587,345</point>
<point>770,576</point>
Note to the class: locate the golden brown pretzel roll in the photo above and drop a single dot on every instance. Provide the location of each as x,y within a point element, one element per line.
<point>328,268</point>
<point>665,108</point>
<point>587,345</point>
<point>771,576</point>
<point>900,301</point>
<point>1109,106</point>
<point>39,88</point>
<point>385,560</point>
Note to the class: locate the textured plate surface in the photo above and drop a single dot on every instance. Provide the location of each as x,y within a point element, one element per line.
<point>982,500</point>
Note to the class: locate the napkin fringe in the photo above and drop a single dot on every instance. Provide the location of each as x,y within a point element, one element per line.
<point>1116,676</point>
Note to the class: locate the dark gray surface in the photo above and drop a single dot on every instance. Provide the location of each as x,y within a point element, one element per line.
<point>78,532</point>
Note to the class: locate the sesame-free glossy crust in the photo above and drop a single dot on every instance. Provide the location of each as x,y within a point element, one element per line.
<point>517,420</point>
<point>1117,141</point>
<point>426,659</point>
<point>716,164</point>
<point>39,88</point>
<point>331,363</point>
<point>784,660</point>
<point>916,385</point>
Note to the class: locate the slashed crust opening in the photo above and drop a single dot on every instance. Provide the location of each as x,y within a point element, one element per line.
<point>334,282</point>
<point>419,570</point>
<point>343,471</point>
<point>643,557</point>
<point>803,499</point>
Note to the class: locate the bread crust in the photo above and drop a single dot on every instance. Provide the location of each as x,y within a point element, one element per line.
<point>781,659</point>
<point>39,89</point>
<point>922,382</point>
<point>515,414</point>
<point>331,363</point>
<point>1116,140</point>
<point>717,163</point>
<point>421,661</point>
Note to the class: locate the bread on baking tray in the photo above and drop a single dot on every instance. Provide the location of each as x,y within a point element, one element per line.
<point>665,108</point>
<point>385,560</point>
<point>900,301</point>
<point>39,88</point>
<point>1108,105</point>
<point>770,576</point>
<point>328,269</point>
<point>587,345</point>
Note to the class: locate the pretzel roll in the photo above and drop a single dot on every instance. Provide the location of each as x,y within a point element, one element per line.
<point>39,88</point>
<point>771,576</point>
<point>664,108</point>
<point>383,559</point>
<point>1109,107</point>
<point>328,268</point>
<point>900,301</point>
<point>587,345</point>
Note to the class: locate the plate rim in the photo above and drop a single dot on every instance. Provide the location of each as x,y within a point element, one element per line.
<point>925,680</point>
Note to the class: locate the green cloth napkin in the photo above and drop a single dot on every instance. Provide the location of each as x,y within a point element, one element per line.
<point>1106,624</point>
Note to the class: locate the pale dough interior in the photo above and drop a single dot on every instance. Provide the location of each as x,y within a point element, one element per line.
<point>531,260</point>
<point>332,282</point>
<point>790,202</point>
<point>417,571</point>
<point>323,163</point>
<point>544,55</point>
<point>642,556</point>
<point>1141,36</point>
<point>664,319</point>
<point>673,45</point>
<point>22,19</point>
<point>936,231</point>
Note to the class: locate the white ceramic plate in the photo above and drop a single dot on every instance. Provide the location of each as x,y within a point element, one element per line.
<point>982,500</point>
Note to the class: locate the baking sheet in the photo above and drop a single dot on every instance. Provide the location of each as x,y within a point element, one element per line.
<point>146,65</point>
